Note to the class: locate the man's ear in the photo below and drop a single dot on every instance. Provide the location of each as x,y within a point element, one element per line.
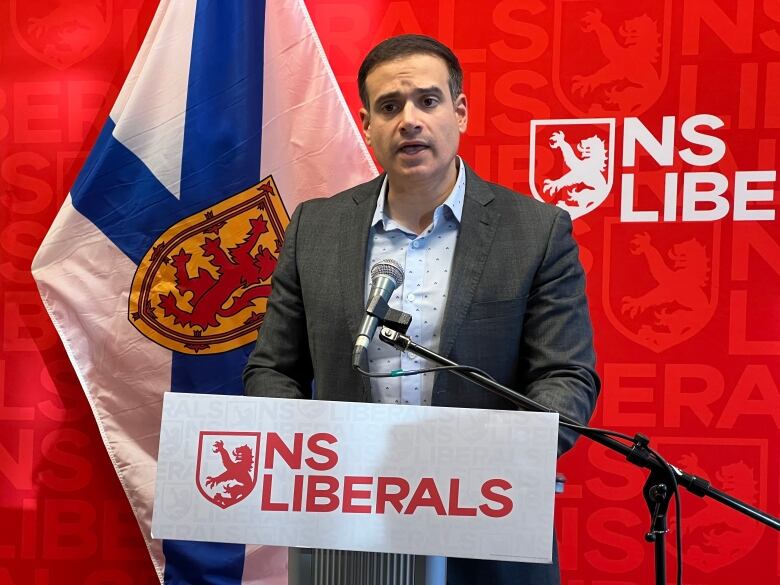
<point>365,122</point>
<point>462,112</point>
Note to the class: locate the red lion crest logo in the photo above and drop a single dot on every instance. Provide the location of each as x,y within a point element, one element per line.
<point>614,62</point>
<point>630,77</point>
<point>229,478</point>
<point>61,33</point>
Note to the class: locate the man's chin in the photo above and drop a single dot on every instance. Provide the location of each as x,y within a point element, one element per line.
<point>418,172</point>
<point>422,162</point>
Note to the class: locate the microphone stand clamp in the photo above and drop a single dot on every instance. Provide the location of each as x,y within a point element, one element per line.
<point>396,320</point>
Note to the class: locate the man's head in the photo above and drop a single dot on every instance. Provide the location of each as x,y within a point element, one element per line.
<point>403,46</point>
<point>413,110</point>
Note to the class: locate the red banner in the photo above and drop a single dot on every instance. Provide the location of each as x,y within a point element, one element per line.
<point>654,123</point>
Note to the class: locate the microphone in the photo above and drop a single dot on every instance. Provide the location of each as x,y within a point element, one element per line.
<point>386,276</point>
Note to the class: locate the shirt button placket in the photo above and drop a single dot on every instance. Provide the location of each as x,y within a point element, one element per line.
<point>417,252</point>
<point>411,281</point>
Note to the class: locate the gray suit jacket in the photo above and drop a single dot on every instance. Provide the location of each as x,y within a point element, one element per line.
<point>516,309</point>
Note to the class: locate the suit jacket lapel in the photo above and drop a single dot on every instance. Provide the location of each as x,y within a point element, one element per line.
<point>353,243</point>
<point>477,230</point>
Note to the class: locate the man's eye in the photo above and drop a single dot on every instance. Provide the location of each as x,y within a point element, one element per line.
<point>430,101</point>
<point>388,108</point>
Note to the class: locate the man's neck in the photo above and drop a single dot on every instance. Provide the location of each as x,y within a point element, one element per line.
<point>412,204</point>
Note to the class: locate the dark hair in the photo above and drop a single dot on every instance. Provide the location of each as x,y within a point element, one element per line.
<point>404,46</point>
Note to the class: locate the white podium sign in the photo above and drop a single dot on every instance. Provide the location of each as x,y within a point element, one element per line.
<point>362,477</point>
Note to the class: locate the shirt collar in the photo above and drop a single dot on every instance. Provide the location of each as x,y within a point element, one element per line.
<point>454,201</point>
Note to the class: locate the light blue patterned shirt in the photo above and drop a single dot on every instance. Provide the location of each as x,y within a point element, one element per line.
<point>427,263</point>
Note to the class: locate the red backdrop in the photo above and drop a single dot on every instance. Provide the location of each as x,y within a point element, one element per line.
<point>685,309</point>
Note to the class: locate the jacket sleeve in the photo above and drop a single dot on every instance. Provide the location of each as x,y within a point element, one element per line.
<point>280,364</point>
<point>557,354</point>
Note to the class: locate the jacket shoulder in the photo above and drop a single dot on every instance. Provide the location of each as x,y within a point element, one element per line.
<point>518,208</point>
<point>524,202</point>
<point>508,201</point>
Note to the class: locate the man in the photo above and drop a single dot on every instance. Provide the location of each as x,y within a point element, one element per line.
<point>492,279</point>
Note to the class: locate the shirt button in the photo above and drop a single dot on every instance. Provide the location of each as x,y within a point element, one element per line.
<point>415,244</point>
<point>410,297</point>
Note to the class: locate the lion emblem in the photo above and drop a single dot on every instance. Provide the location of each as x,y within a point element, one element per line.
<point>715,535</point>
<point>629,81</point>
<point>236,481</point>
<point>682,306</point>
<point>62,33</point>
<point>586,170</point>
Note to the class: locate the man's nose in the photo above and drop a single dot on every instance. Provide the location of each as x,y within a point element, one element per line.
<point>410,117</point>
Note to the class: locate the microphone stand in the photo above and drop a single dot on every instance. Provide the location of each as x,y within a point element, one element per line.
<point>656,491</point>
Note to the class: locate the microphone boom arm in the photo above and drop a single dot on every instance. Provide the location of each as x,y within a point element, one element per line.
<point>635,453</point>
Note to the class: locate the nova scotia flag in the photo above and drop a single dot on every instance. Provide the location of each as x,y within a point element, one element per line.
<point>156,269</point>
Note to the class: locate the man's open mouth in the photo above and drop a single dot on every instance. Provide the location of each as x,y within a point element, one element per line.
<point>412,148</point>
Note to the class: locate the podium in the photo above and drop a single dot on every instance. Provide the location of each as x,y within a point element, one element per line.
<point>335,567</point>
<point>399,487</point>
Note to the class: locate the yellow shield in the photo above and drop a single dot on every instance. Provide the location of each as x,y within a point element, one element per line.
<point>203,286</point>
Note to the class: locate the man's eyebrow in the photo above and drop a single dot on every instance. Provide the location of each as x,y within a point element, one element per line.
<point>435,90</point>
<point>387,96</point>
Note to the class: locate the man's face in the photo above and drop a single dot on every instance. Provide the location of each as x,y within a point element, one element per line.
<point>412,123</point>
